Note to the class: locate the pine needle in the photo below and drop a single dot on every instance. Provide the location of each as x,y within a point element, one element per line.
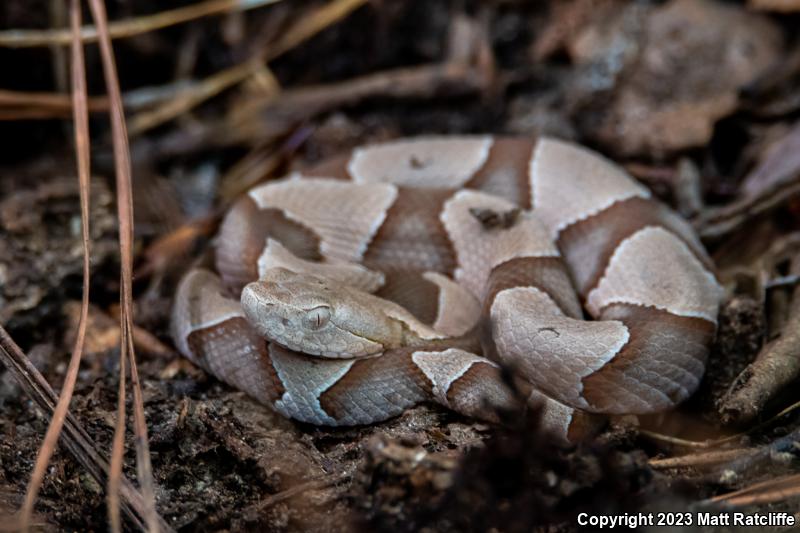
<point>81,119</point>
<point>122,167</point>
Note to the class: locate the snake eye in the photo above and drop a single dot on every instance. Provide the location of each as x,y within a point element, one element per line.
<point>317,317</point>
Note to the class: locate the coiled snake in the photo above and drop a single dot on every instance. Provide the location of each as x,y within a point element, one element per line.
<point>360,288</point>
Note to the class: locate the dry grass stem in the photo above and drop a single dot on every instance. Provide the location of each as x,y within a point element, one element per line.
<point>303,29</point>
<point>130,27</point>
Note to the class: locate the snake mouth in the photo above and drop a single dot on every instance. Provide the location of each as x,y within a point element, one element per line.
<point>328,354</point>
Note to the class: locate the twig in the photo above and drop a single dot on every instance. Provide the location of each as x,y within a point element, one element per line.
<point>782,281</point>
<point>295,106</point>
<point>312,484</point>
<point>74,438</point>
<point>710,458</point>
<point>302,30</point>
<point>168,248</point>
<point>190,98</point>
<point>770,491</point>
<point>265,119</point>
<point>57,103</point>
<point>81,118</point>
<point>677,441</point>
<point>130,27</point>
<point>57,11</point>
<point>777,365</point>
<point>122,167</point>
<point>782,445</point>
<point>284,111</point>
<point>257,165</point>
<point>716,223</point>
<point>19,105</point>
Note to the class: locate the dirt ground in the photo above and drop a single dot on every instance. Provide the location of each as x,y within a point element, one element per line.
<point>698,99</point>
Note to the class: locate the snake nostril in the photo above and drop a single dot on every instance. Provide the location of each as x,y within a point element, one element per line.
<point>285,321</point>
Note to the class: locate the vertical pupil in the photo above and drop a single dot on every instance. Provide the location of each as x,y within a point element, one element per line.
<point>317,317</point>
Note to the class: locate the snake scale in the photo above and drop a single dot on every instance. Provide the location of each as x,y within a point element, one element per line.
<point>412,270</point>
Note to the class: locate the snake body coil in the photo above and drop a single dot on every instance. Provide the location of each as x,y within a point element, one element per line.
<point>353,291</point>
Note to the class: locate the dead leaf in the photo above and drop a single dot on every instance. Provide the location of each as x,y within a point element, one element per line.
<point>784,6</point>
<point>781,164</point>
<point>694,57</point>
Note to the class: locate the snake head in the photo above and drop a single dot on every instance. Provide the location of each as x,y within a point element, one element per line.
<point>319,317</point>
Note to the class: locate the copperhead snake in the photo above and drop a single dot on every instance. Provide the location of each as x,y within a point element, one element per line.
<point>405,272</point>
